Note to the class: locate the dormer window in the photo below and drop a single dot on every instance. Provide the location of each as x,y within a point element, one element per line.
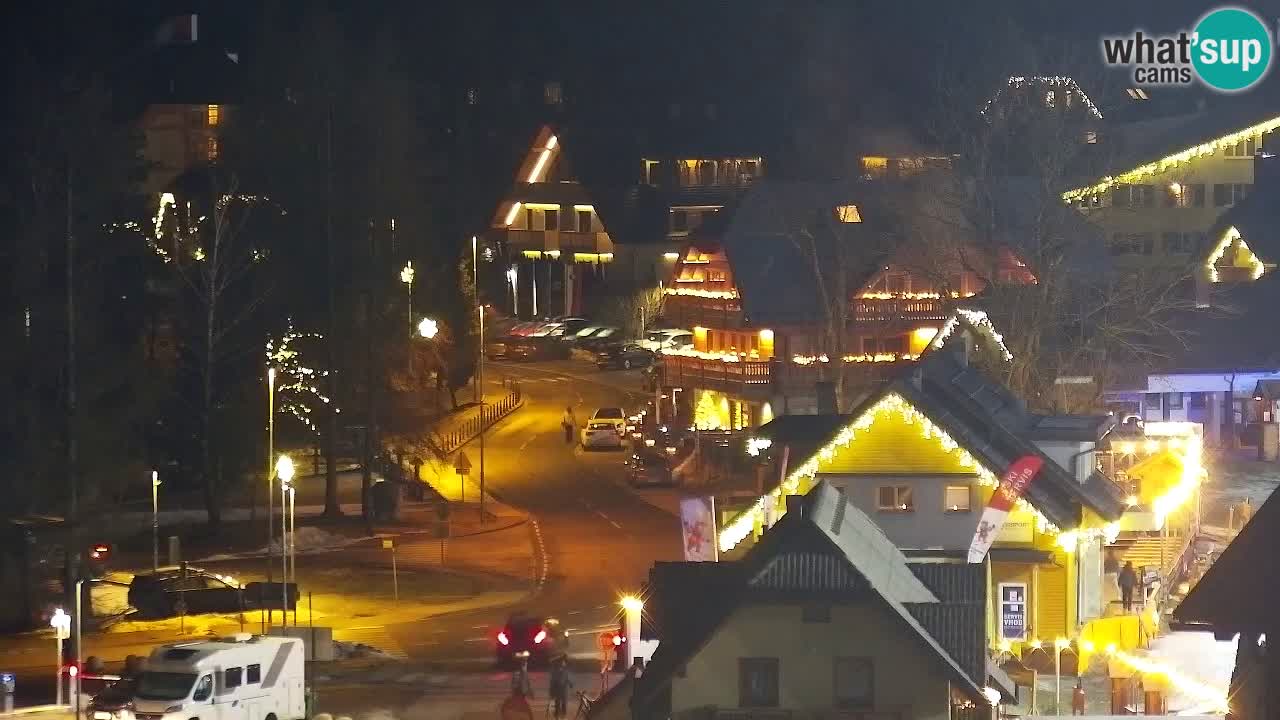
<point>848,214</point>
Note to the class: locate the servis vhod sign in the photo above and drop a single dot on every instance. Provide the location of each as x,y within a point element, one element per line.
<point>1228,50</point>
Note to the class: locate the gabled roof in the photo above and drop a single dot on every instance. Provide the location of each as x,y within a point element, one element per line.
<point>987,420</point>
<point>1153,146</point>
<point>1256,219</point>
<point>827,547</point>
<point>1238,591</point>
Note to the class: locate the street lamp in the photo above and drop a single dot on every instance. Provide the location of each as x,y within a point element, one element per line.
<point>406,277</point>
<point>428,328</point>
<point>61,624</point>
<point>155,521</point>
<point>284,471</point>
<point>632,607</point>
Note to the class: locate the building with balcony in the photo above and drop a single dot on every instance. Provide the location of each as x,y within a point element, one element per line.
<point>822,619</point>
<point>922,457</point>
<point>752,287</point>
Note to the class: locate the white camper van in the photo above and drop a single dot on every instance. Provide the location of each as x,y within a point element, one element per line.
<point>245,677</point>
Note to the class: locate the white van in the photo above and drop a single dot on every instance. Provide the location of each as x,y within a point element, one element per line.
<point>245,677</point>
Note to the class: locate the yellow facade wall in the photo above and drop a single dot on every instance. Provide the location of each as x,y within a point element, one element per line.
<point>908,679</point>
<point>892,445</point>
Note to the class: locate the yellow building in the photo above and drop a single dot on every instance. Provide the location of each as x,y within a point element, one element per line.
<point>822,618</point>
<point>922,457</point>
<point>1170,181</point>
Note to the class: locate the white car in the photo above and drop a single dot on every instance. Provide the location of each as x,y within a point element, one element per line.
<point>606,428</point>
<point>659,340</point>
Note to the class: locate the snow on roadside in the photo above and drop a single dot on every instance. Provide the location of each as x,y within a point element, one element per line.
<point>1198,656</point>
<point>306,539</point>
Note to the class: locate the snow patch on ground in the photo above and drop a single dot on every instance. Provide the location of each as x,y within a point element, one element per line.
<point>306,539</point>
<point>1196,655</point>
<point>348,650</point>
<point>208,624</point>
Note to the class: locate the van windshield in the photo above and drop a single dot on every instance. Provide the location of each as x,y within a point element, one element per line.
<point>165,685</point>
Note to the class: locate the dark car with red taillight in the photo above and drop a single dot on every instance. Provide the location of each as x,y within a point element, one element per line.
<point>528,636</point>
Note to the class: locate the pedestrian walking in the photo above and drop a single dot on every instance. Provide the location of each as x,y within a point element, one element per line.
<point>1127,580</point>
<point>568,423</point>
<point>559,685</point>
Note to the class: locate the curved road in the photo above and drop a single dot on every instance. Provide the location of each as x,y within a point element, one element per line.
<point>600,537</point>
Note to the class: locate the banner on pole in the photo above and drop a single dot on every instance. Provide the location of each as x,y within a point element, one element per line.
<point>698,525</point>
<point>1015,482</point>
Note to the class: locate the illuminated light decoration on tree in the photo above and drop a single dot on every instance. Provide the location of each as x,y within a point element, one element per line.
<point>755,445</point>
<point>1055,81</point>
<point>709,294</point>
<point>1232,235</point>
<point>978,319</point>
<point>295,382</point>
<point>166,201</point>
<point>805,360</point>
<point>743,524</point>
<point>1170,162</point>
<point>911,295</point>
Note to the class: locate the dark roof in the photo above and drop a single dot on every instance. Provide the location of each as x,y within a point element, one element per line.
<point>828,548</point>
<point>953,582</point>
<point>1145,141</point>
<point>760,243</point>
<point>677,592</point>
<point>1238,591</point>
<point>991,423</point>
<point>1225,338</point>
<point>1257,217</point>
<point>1030,556</point>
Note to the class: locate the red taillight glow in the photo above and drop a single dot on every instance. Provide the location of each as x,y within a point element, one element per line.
<point>502,638</point>
<point>542,635</point>
<point>618,640</point>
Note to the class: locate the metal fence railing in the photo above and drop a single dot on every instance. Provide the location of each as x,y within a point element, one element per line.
<point>472,426</point>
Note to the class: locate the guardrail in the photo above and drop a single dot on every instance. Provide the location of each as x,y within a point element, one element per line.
<point>488,415</point>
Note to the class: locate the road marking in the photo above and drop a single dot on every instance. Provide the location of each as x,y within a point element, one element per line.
<point>479,639</point>
<point>606,517</point>
<point>574,612</point>
<point>365,627</point>
<point>525,444</point>
<point>477,627</point>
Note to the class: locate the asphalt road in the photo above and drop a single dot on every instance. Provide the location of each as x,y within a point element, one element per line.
<point>597,536</point>
<point>600,538</point>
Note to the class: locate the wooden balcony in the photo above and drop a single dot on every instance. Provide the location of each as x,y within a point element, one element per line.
<point>888,309</point>
<point>781,714</point>
<point>691,310</point>
<point>564,241</point>
<point>758,379</point>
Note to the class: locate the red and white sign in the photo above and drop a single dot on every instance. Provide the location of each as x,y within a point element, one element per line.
<point>1015,482</point>
<point>698,523</point>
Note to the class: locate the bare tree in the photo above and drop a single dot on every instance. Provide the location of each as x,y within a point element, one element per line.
<point>213,256</point>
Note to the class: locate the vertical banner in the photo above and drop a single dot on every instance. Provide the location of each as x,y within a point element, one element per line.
<point>1012,486</point>
<point>698,524</point>
<point>770,502</point>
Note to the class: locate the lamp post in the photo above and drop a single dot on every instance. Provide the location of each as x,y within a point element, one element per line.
<point>632,607</point>
<point>475,284</point>
<point>406,277</point>
<point>1058,646</point>
<point>61,624</point>
<point>293,548</point>
<point>79,620</point>
<point>155,521</point>
<point>284,471</point>
<point>271,458</point>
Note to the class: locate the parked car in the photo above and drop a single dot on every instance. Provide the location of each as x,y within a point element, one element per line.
<point>674,339</point>
<point>648,467</point>
<point>567,329</point>
<point>114,702</point>
<point>624,356</point>
<point>161,593</point>
<point>601,337</point>
<point>536,348</point>
<point>538,638</point>
<point>497,349</point>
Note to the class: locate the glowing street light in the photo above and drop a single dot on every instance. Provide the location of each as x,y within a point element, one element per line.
<point>513,277</point>
<point>284,468</point>
<point>428,328</point>
<point>406,277</point>
<point>284,471</point>
<point>61,624</point>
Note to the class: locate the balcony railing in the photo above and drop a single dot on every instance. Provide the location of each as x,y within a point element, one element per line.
<point>780,714</point>
<point>876,309</point>
<point>764,377</point>
<point>690,310</point>
<point>565,241</point>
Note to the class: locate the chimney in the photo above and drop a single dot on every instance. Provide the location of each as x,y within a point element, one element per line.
<point>795,504</point>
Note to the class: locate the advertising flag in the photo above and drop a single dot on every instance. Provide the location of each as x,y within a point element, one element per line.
<point>1012,486</point>
<point>697,520</point>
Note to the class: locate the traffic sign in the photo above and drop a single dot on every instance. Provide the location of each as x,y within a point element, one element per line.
<point>388,544</point>
<point>462,465</point>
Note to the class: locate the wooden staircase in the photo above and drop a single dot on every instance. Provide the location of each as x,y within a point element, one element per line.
<point>1146,551</point>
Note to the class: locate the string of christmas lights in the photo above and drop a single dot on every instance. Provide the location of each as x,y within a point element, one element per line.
<point>297,384</point>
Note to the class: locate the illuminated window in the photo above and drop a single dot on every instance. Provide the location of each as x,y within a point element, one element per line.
<point>1049,99</point>
<point>875,167</point>
<point>956,498</point>
<point>848,214</point>
<point>213,115</point>
<point>1091,137</point>
<point>552,93</point>
<point>211,149</point>
<point>895,498</point>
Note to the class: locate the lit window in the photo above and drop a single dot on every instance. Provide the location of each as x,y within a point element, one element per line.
<point>895,498</point>
<point>211,149</point>
<point>848,214</point>
<point>214,115</point>
<point>1048,99</point>
<point>875,167</point>
<point>1091,137</point>
<point>552,93</point>
<point>956,498</point>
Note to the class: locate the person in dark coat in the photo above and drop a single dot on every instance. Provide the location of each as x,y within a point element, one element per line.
<point>560,684</point>
<point>1127,580</point>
